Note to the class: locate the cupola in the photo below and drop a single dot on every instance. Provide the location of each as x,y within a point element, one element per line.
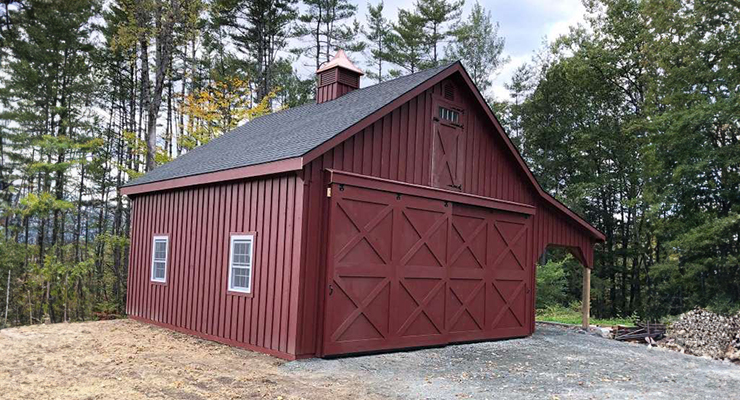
<point>337,78</point>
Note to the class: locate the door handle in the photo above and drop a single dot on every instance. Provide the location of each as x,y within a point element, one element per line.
<point>331,289</point>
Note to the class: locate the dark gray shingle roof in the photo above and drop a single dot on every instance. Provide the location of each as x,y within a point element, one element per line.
<point>286,134</point>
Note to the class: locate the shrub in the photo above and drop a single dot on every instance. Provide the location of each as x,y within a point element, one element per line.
<point>551,284</point>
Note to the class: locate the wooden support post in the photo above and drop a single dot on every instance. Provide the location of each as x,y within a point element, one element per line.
<point>586,297</point>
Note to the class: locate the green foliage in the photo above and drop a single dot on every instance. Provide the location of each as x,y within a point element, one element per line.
<point>377,34</point>
<point>407,45</point>
<point>325,26</point>
<point>42,205</point>
<point>258,28</point>
<point>632,123</point>
<point>293,90</point>
<point>723,304</point>
<point>479,46</point>
<point>417,35</point>
<point>436,17</point>
<point>551,284</point>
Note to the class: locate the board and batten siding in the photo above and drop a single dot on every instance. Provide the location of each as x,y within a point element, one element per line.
<point>198,222</point>
<point>398,147</point>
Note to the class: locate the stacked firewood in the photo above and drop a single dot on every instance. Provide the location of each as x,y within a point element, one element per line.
<point>643,332</point>
<point>733,351</point>
<point>703,333</point>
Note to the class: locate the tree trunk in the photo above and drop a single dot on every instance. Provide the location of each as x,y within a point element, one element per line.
<point>151,141</point>
<point>7,300</point>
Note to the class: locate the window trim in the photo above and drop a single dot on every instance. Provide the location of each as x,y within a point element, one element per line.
<point>166,239</point>
<point>252,237</point>
<point>452,111</point>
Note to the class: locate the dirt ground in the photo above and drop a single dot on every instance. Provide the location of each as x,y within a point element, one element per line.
<point>125,359</point>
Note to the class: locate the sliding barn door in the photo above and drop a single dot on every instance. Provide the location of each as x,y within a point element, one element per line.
<point>408,271</point>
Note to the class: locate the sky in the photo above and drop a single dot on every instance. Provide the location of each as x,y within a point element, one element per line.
<point>523,23</point>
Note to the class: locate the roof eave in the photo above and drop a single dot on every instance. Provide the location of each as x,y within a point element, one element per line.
<point>269,168</point>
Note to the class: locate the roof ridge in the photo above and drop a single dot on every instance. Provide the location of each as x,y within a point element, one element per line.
<point>441,67</point>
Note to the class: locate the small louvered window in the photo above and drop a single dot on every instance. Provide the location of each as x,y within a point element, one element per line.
<point>449,92</point>
<point>449,115</point>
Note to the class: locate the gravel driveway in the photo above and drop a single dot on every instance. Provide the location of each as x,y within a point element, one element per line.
<point>555,363</point>
<point>125,359</point>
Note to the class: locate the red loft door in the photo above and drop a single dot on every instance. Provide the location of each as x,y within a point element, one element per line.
<point>447,160</point>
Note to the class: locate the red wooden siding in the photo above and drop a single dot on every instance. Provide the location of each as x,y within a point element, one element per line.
<point>408,271</point>
<point>199,222</point>
<point>399,147</point>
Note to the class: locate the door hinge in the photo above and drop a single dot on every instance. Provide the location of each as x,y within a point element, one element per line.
<point>458,187</point>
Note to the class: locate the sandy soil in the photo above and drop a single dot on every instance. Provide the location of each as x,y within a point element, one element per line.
<point>125,359</point>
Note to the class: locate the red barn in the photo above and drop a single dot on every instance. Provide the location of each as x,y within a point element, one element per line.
<point>394,216</point>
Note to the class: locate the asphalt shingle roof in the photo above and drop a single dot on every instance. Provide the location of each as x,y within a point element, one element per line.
<point>286,134</point>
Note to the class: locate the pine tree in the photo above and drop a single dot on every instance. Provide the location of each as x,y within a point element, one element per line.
<point>259,29</point>
<point>48,85</point>
<point>294,90</point>
<point>160,20</point>
<point>326,28</point>
<point>519,88</point>
<point>377,35</point>
<point>437,17</point>
<point>407,44</point>
<point>479,46</point>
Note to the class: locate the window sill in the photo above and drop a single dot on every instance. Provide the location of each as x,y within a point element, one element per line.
<point>158,283</point>
<point>239,294</point>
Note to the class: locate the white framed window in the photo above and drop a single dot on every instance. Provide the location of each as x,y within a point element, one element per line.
<point>160,250</point>
<point>241,255</point>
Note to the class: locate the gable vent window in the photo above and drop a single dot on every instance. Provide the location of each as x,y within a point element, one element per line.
<point>449,115</point>
<point>449,92</point>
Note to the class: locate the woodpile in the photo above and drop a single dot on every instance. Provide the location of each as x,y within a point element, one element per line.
<point>705,334</point>
<point>643,332</point>
<point>733,351</point>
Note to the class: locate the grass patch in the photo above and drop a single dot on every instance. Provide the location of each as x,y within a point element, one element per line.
<point>572,315</point>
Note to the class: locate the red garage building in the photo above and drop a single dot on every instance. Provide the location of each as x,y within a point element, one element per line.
<point>394,216</point>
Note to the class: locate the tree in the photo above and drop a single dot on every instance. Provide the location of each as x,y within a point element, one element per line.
<point>325,25</point>
<point>693,149</point>
<point>47,86</point>
<point>293,90</point>
<point>407,45</point>
<point>519,88</point>
<point>479,46</point>
<point>377,35</point>
<point>259,29</point>
<point>581,129</point>
<point>436,16</point>
<point>158,19</point>
<point>219,108</point>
